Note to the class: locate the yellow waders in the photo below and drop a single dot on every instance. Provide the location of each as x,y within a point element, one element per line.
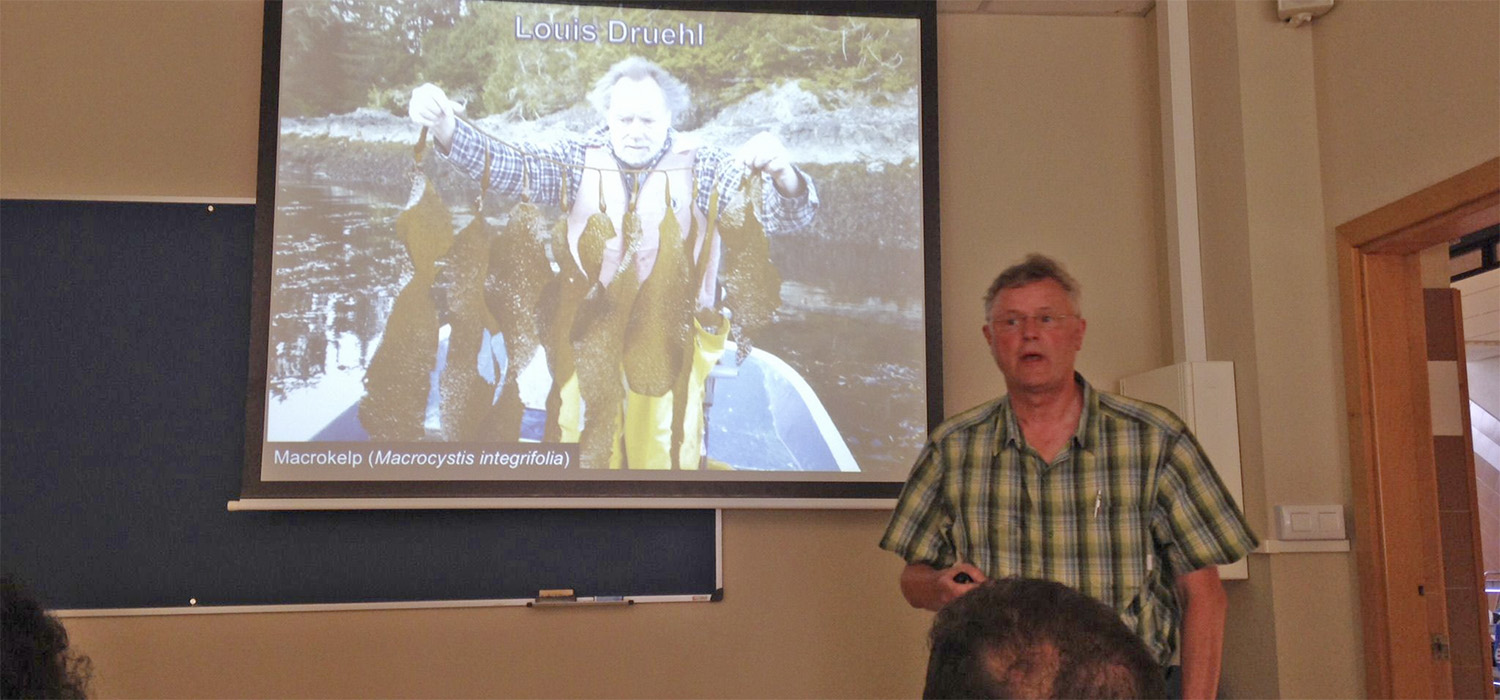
<point>647,429</point>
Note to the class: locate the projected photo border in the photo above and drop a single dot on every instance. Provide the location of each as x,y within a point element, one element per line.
<point>609,488</point>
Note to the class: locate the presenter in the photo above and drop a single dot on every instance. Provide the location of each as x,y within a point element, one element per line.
<point>1056,480</point>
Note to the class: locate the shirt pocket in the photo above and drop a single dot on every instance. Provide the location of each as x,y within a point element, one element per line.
<point>992,540</point>
<point>1121,568</point>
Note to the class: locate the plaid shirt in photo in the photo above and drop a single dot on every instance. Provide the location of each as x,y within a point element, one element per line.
<point>543,161</point>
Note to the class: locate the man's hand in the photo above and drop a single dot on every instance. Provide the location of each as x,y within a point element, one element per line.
<point>931,589</point>
<point>430,107</point>
<point>766,152</point>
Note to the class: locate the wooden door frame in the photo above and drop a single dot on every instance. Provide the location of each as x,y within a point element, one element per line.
<point>1402,601</point>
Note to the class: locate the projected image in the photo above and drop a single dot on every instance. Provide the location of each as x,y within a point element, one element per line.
<point>528,241</point>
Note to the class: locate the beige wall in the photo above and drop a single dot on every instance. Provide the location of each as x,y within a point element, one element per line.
<point>1302,129</point>
<point>1046,146</point>
<point>1224,230</point>
<point>1408,95</point>
<point>129,99</point>
<point>1048,143</point>
<point>1053,149</point>
<point>1291,343</point>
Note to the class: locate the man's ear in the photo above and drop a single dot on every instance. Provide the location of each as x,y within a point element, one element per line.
<point>988,340</point>
<point>1083,326</point>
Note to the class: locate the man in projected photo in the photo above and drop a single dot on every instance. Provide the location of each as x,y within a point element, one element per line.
<point>636,156</point>
<point>1108,495</point>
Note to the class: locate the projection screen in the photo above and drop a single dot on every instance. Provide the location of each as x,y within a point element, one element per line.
<point>647,253</point>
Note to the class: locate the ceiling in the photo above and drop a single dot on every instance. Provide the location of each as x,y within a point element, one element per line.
<point>1101,8</point>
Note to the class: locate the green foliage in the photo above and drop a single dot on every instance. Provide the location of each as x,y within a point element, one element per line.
<point>462,58</point>
<point>742,54</point>
<point>343,54</point>
<point>338,53</point>
<point>391,99</point>
<point>869,60</point>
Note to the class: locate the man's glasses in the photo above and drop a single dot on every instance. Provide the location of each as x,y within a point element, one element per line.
<point>1013,323</point>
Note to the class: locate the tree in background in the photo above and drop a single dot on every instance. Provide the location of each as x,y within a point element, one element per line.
<point>832,56</point>
<point>346,54</point>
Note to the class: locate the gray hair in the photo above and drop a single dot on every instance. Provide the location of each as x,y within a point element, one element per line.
<point>1035,268</point>
<point>676,94</point>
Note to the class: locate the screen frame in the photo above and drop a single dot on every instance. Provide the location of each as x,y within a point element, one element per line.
<point>652,493</point>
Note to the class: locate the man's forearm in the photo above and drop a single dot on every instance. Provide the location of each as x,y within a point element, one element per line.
<point>787,213</point>
<point>719,170</point>
<point>1204,608</point>
<point>509,163</point>
<point>789,183</point>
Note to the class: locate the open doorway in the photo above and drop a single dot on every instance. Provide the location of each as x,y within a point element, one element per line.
<point>1421,605</point>
<point>1473,270</point>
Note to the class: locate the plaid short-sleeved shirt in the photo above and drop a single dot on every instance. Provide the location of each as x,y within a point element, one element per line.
<point>1128,506</point>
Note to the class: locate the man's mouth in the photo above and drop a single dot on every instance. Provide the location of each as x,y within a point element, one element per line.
<point>1032,357</point>
<point>633,155</point>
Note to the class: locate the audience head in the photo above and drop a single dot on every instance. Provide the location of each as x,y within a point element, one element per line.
<point>36,660</point>
<point>1028,638</point>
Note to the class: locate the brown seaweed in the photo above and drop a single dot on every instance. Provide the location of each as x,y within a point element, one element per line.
<point>560,300</point>
<point>599,342</point>
<point>752,284</point>
<point>706,317</point>
<point>597,232</point>
<point>397,382</point>
<point>656,338</point>
<point>518,271</point>
<point>466,398</point>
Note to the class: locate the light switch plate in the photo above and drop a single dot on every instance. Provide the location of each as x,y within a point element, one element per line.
<point>1310,522</point>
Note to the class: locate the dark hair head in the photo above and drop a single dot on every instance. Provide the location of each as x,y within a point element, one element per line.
<point>676,94</point>
<point>1029,638</point>
<point>1035,268</point>
<point>36,660</point>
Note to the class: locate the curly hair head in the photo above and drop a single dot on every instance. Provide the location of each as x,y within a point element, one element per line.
<point>675,93</point>
<point>1029,638</point>
<point>37,662</point>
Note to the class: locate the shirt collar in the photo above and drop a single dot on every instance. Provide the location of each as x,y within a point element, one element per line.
<point>1086,436</point>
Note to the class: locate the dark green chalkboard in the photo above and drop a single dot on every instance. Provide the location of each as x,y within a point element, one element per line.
<point>124,343</point>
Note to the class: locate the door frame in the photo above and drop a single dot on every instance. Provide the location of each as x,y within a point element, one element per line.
<point>1392,467</point>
